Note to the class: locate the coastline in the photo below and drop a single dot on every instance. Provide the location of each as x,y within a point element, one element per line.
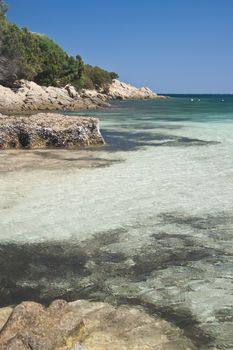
<point>144,261</point>
<point>27,96</point>
<point>17,328</point>
<point>53,130</point>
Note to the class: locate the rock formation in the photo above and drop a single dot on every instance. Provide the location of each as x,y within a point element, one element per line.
<point>123,91</point>
<point>83,325</point>
<point>28,96</point>
<point>46,130</point>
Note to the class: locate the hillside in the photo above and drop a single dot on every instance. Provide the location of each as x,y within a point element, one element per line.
<point>37,74</point>
<point>35,57</point>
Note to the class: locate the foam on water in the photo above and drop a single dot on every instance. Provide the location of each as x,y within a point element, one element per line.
<point>153,222</point>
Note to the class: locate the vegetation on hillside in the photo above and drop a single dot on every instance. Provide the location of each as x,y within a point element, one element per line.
<point>3,8</point>
<point>41,60</point>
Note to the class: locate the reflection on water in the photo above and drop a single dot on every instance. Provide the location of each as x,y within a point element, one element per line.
<point>146,219</point>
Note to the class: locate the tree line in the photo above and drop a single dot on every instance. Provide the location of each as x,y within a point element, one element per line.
<point>41,60</point>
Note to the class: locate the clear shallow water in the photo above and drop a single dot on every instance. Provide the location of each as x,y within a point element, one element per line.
<point>146,220</point>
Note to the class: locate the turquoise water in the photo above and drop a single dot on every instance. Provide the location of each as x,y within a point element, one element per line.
<point>145,220</point>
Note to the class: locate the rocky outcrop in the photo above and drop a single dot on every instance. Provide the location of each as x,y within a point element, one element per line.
<point>93,94</point>
<point>46,130</point>
<point>83,325</point>
<point>28,96</point>
<point>123,91</point>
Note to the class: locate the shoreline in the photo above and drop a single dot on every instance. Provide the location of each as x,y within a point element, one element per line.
<point>158,271</point>
<point>28,97</point>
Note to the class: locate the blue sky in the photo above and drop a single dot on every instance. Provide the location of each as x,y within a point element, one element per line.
<point>180,46</point>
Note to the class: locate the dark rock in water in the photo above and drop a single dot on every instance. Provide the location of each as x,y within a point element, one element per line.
<point>46,130</point>
<point>87,325</point>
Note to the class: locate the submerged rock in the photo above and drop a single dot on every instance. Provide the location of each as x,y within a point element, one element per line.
<point>83,325</point>
<point>48,130</point>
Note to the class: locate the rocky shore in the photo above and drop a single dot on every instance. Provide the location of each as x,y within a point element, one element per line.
<point>122,91</point>
<point>48,130</point>
<point>84,325</point>
<point>28,96</point>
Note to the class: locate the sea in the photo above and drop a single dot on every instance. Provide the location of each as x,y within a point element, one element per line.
<point>146,219</point>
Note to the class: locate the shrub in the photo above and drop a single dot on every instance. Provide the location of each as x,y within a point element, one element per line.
<point>41,60</point>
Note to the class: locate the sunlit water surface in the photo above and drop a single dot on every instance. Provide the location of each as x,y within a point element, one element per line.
<point>145,220</point>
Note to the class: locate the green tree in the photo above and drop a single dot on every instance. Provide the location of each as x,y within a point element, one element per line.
<point>80,65</point>
<point>38,58</point>
<point>3,8</point>
<point>114,75</point>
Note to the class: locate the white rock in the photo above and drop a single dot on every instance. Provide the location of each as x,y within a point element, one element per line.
<point>120,90</point>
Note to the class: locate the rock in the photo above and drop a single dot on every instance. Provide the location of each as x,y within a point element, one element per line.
<point>71,91</point>
<point>94,94</point>
<point>123,91</point>
<point>9,100</point>
<point>29,96</point>
<point>4,315</point>
<point>46,130</point>
<point>83,325</point>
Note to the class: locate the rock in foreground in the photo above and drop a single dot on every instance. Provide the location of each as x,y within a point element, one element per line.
<point>48,130</point>
<point>84,325</point>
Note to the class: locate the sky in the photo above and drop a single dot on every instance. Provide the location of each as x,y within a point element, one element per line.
<point>172,46</point>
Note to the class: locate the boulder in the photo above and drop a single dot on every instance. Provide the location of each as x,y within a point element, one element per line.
<point>71,91</point>
<point>94,94</point>
<point>48,130</point>
<point>84,325</point>
<point>5,313</point>
<point>9,100</point>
